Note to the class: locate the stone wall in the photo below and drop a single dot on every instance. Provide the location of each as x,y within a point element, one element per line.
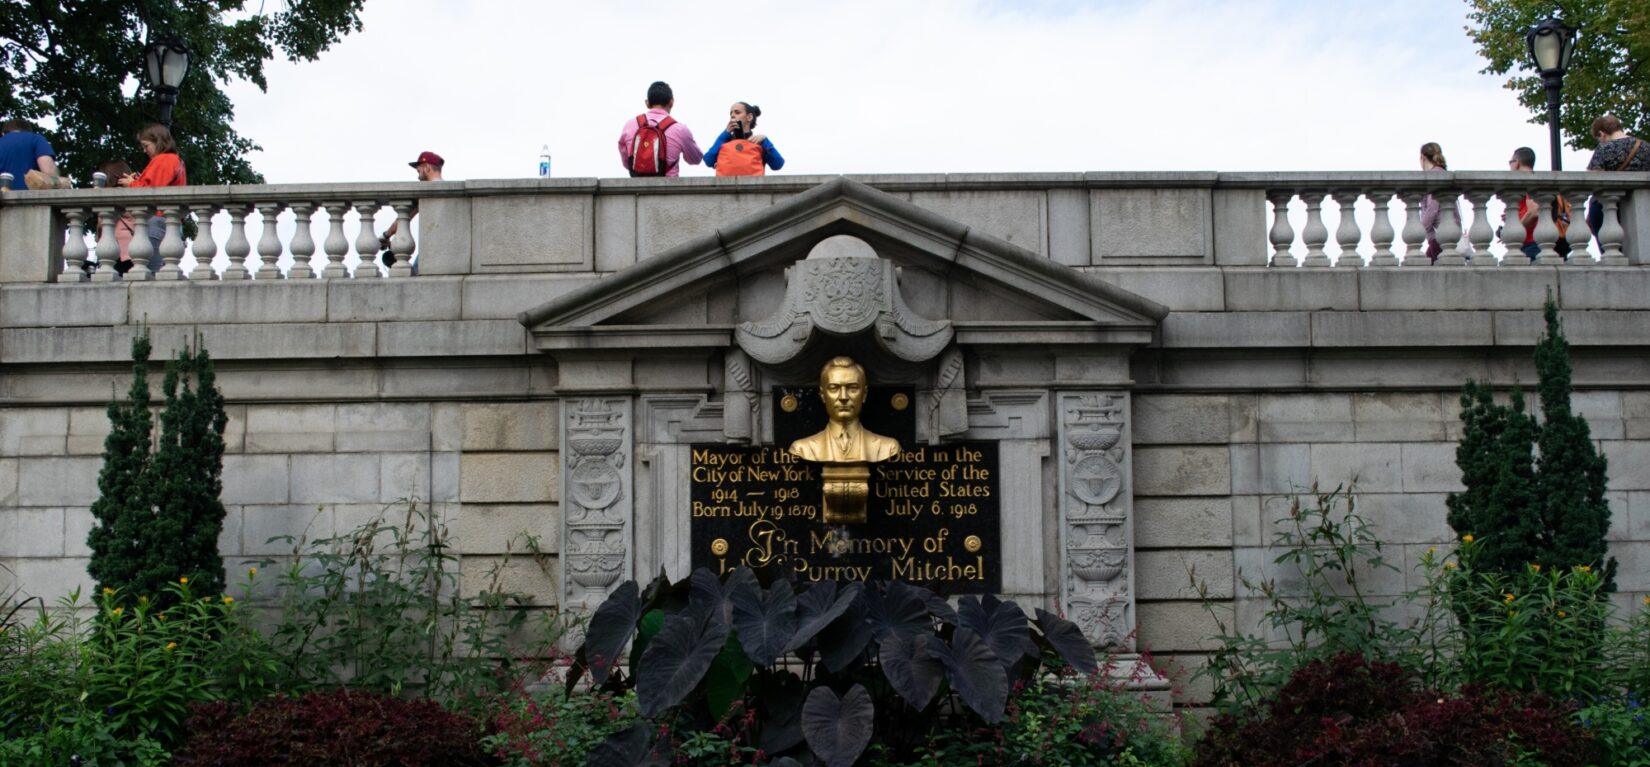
<point>349,396</point>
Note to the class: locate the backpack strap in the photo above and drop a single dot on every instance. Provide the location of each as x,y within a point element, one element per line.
<point>1630,153</point>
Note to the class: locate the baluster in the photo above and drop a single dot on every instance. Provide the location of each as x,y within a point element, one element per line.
<point>108,250</point>
<point>336,244</point>
<point>74,247</point>
<point>141,248</point>
<point>303,244</point>
<point>1610,233</point>
<point>1347,233</point>
<point>1546,232</point>
<point>238,248</point>
<point>1282,234</point>
<point>1381,233</point>
<point>204,248</point>
<point>1415,237</point>
<point>401,244</point>
<point>1512,229</point>
<point>366,243</point>
<point>171,246</point>
<point>1314,234</point>
<point>269,243</point>
<point>1481,234</point>
<point>1578,234</point>
<point>1448,232</point>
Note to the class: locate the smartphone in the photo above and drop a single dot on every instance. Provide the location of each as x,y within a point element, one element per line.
<point>738,130</point>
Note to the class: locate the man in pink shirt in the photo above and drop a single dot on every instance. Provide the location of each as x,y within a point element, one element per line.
<point>679,144</point>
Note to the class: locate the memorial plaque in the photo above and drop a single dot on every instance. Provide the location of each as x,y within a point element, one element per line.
<point>932,515</point>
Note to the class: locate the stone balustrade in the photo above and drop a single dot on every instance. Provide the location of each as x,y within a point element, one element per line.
<point>505,227</point>
<point>1376,216</point>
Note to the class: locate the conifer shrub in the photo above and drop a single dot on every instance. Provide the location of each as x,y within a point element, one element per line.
<point>1534,489</point>
<point>158,513</point>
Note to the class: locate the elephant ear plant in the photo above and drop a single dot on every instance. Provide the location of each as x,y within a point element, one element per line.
<point>811,675</point>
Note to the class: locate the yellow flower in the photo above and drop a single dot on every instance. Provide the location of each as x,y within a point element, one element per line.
<point>184,580</point>
<point>108,591</point>
<point>1647,600</point>
<point>1584,569</point>
<point>1511,613</point>
<point>118,610</point>
<point>1449,565</point>
<point>1466,538</point>
<point>1563,614</point>
<point>229,600</point>
<point>1508,598</point>
<point>1535,568</point>
<point>252,571</point>
<point>171,645</point>
<point>143,600</point>
<point>1432,549</point>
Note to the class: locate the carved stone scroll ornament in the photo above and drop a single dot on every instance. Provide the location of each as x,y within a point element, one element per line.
<point>948,415</point>
<point>843,288</point>
<point>1095,506</point>
<point>741,411</point>
<point>596,497</point>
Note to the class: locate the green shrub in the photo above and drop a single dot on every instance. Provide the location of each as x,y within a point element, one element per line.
<point>83,739</point>
<point>555,728</point>
<point>132,670</point>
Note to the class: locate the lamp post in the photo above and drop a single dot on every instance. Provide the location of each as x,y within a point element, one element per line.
<point>1551,43</point>
<point>165,64</point>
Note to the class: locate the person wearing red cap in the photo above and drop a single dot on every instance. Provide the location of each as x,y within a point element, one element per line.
<point>429,166</point>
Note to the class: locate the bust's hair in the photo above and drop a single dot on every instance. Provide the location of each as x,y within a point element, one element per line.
<point>841,362</point>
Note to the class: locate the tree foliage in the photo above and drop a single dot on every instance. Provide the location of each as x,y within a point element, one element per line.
<point>159,514</point>
<point>1609,73</point>
<point>1534,490</point>
<point>71,64</point>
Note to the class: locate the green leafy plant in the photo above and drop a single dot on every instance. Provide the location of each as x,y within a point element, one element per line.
<point>81,739</point>
<point>1534,491</point>
<point>832,667</point>
<point>379,608</point>
<point>158,514</point>
<point>1327,550</point>
<point>555,728</point>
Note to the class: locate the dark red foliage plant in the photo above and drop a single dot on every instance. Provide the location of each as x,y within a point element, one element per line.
<point>1359,713</point>
<point>342,728</point>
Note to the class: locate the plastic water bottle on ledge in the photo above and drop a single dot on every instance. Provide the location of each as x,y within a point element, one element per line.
<point>544,162</point>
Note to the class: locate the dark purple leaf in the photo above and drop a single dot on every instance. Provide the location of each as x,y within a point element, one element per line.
<point>633,746</point>
<point>838,729</point>
<point>1068,641</point>
<point>676,660</point>
<point>939,608</point>
<point>900,610</point>
<point>610,629</point>
<point>781,711</point>
<point>765,622</point>
<point>975,673</point>
<point>843,641</point>
<point>1003,626</point>
<point>706,598</point>
<point>818,606</point>
<point>912,672</point>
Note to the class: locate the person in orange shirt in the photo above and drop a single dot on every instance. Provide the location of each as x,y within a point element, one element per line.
<point>165,168</point>
<point>740,150</point>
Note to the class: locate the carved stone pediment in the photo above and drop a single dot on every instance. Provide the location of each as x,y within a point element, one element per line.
<point>702,293</point>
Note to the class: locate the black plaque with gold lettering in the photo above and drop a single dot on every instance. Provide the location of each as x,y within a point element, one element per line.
<point>932,516</point>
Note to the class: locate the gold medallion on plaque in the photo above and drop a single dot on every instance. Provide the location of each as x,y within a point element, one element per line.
<point>788,403</point>
<point>972,543</point>
<point>719,546</point>
<point>900,401</point>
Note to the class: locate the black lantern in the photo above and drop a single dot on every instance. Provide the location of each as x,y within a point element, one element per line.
<point>165,64</point>
<point>1551,44</point>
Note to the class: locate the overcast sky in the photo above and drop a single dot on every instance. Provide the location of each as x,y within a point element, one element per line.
<point>895,86</point>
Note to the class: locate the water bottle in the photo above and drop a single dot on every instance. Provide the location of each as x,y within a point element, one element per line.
<point>100,180</point>
<point>544,162</point>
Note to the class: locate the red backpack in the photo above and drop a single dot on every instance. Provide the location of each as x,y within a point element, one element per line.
<point>647,149</point>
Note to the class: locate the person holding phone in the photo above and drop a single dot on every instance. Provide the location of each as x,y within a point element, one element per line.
<point>740,150</point>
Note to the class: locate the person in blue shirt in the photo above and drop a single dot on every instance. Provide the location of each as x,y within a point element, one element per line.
<point>739,150</point>
<point>23,150</point>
